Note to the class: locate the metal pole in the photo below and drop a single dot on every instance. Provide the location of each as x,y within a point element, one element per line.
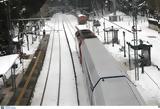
<point>129,57</point>
<point>112,37</point>
<point>114,7</point>
<point>124,44</point>
<point>136,40</point>
<point>107,37</point>
<point>104,32</point>
<point>98,30</point>
<point>13,77</point>
<point>134,28</point>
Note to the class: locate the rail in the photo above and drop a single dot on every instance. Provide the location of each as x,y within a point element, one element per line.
<point>44,90</point>
<point>75,75</point>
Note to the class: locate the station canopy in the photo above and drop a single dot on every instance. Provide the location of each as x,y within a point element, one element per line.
<point>140,46</point>
<point>6,62</point>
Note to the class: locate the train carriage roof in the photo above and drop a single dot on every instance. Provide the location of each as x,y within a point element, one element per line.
<point>101,58</point>
<point>116,88</point>
<point>118,91</point>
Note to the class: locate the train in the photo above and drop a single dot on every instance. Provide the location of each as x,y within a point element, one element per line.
<point>107,83</point>
<point>82,19</point>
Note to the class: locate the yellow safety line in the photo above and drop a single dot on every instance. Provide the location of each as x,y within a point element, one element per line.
<point>27,82</point>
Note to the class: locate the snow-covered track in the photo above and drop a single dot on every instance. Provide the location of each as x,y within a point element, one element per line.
<point>75,75</point>
<point>56,32</point>
<point>60,86</point>
<point>48,70</point>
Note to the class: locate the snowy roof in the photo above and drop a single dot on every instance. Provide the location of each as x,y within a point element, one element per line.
<point>152,19</point>
<point>81,27</point>
<point>1,1</point>
<point>79,15</point>
<point>6,62</point>
<point>15,39</point>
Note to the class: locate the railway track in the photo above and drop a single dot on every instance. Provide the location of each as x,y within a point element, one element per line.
<point>59,85</point>
<point>82,92</point>
<point>24,91</point>
<point>55,72</point>
<point>48,70</point>
<point>70,28</point>
<point>58,96</point>
<point>54,56</point>
<point>75,75</point>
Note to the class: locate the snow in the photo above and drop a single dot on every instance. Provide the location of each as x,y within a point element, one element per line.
<point>80,15</point>
<point>67,97</point>
<point>6,62</point>
<point>15,39</point>
<point>81,27</point>
<point>32,47</point>
<point>1,1</point>
<point>142,4</point>
<point>68,88</point>
<point>83,94</point>
<point>118,13</point>
<point>152,19</point>
<point>41,81</point>
<point>148,85</point>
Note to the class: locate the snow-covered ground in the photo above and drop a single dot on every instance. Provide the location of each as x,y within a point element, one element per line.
<point>148,84</point>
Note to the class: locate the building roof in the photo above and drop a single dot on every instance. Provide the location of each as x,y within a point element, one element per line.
<point>6,62</point>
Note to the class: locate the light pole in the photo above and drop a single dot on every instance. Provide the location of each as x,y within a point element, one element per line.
<point>124,44</point>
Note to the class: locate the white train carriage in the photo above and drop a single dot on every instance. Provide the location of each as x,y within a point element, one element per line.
<point>107,82</point>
